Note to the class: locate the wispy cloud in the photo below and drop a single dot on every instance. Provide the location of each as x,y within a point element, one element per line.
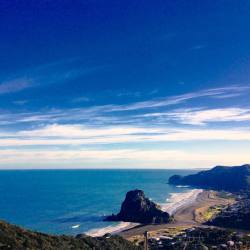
<point>168,101</point>
<point>51,73</point>
<point>68,135</point>
<point>77,134</point>
<point>162,110</point>
<point>15,85</point>
<point>229,95</point>
<point>204,116</point>
<point>20,102</point>
<point>123,158</point>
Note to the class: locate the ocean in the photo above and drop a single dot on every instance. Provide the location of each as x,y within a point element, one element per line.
<point>75,201</point>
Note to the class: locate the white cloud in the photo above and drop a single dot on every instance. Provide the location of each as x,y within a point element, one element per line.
<point>123,158</point>
<point>118,114</point>
<point>203,116</point>
<point>114,125</point>
<point>79,131</point>
<point>80,135</point>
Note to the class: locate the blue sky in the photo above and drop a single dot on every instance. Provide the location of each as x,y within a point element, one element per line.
<point>124,84</point>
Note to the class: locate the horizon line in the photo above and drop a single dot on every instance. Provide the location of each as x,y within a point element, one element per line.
<point>27,169</point>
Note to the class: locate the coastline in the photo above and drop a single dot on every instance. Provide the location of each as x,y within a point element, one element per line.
<point>172,205</point>
<point>178,200</point>
<point>120,227</point>
<point>185,216</point>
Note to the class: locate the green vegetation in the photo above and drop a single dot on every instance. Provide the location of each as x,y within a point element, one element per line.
<point>212,212</point>
<point>225,195</point>
<point>234,216</point>
<point>16,238</point>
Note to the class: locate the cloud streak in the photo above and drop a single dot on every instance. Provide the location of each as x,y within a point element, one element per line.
<point>204,116</point>
<point>76,135</point>
<point>168,101</point>
<point>123,158</point>
<point>136,112</point>
<point>51,73</point>
<point>109,133</point>
<point>15,85</point>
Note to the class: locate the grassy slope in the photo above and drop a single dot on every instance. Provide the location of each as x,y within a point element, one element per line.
<point>16,238</point>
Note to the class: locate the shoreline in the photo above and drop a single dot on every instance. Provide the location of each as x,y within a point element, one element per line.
<point>178,200</point>
<point>172,205</point>
<point>185,216</point>
<point>112,229</point>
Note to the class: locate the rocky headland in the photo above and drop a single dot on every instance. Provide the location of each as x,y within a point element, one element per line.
<point>231,179</point>
<point>138,208</point>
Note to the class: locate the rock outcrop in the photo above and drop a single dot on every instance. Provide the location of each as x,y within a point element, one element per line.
<point>232,179</point>
<point>137,208</point>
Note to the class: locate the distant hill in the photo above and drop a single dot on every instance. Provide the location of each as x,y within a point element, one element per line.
<point>16,238</point>
<point>232,179</point>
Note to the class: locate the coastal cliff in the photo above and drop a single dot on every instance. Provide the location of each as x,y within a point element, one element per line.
<point>232,179</point>
<point>138,208</point>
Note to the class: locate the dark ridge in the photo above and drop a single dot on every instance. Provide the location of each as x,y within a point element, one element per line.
<point>232,179</point>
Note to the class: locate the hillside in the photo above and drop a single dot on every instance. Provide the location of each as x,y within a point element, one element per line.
<point>16,238</point>
<point>232,179</point>
<point>234,216</point>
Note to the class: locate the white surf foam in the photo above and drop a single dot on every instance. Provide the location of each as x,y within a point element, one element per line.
<point>175,201</point>
<point>76,226</point>
<point>178,200</point>
<point>111,229</point>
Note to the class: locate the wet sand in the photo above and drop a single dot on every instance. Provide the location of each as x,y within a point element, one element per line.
<point>186,216</point>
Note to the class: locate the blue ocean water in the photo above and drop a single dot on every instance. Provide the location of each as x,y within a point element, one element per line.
<point>54,201</point>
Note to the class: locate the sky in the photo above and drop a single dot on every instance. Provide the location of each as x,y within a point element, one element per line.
<point>124,84</point>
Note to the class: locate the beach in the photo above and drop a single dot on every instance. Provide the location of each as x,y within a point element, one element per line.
<point>121,226</point>
<point>172,205</point>
<point>188,212</point>
<point>178,200</point>
<point>180,205</point>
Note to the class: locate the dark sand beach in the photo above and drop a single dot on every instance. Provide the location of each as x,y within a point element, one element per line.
<point>186,216</point>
